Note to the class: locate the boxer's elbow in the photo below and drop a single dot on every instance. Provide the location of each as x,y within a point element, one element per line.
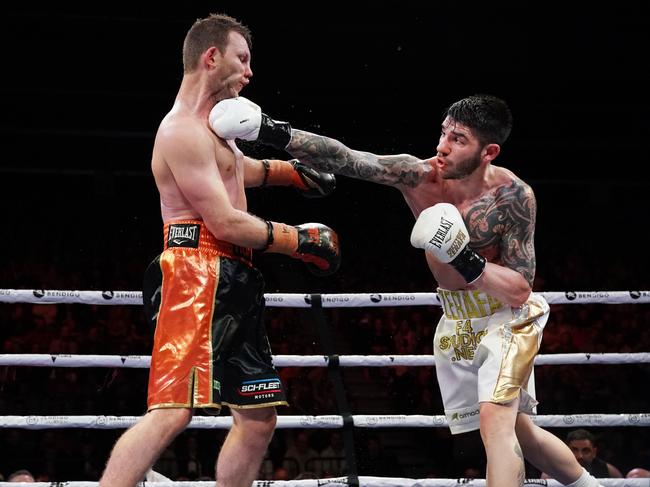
<point>520,292</point>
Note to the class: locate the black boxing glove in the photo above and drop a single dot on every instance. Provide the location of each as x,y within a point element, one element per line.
<point>310,182</point>
<point>315,244</point>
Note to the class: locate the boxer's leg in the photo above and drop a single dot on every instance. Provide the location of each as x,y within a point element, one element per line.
<point>139,447</point>
<point>244,448</point>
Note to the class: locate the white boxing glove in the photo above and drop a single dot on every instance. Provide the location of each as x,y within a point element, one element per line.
<point>236,118</point>
<point>240,118</point>
<point>440,230</point>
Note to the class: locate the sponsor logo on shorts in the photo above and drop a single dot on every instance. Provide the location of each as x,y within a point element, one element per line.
<point>260,389</point>
<point>463,343</point>
<point>468,414</point>
<point>570,295</point>
<point>375,298</point>
<point>184,235</point>
<point>459,305</point>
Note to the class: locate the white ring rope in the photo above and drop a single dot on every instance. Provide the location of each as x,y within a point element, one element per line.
<point>144,361</point>
<point>343,482</point>
<point>320,422</point>
<point>331,421</point>
<point>356,300</point>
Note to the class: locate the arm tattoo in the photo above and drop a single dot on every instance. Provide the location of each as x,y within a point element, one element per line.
<point>502,227</point>
<point>522,470</point>
<point>330,155</point>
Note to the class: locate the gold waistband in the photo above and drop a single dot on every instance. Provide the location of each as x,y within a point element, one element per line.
<point>463,305</point>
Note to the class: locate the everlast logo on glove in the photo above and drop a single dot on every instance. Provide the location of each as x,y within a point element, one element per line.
<point>441,231</point>
<point>183,235</point>
<point>439,238</point>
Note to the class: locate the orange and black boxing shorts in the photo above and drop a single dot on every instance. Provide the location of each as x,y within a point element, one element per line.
<point>206,301</point>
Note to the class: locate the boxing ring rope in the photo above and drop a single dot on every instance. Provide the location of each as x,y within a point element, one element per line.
<point>331,421</point>
<point>296,300</point>
<point>364,481</point>
<point>144,361</point>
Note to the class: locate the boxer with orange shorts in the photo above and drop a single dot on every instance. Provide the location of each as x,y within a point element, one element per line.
<point>210,345</point>
<point>203,293</point>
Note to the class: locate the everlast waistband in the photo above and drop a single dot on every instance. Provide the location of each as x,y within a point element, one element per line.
<point>194,234</point>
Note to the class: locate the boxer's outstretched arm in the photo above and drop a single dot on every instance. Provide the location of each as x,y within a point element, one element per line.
<point>330,155</point>
<point>240,118</point>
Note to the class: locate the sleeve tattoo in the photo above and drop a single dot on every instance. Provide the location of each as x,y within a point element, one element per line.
<point>503,227</point>
<point>518,244</point>
<point>330,155</point>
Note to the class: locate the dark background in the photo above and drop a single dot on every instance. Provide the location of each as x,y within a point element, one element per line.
<point>83,90</point>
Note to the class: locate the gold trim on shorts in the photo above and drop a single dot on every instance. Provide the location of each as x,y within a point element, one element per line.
<point>520,338</point>
<point>255,406</point>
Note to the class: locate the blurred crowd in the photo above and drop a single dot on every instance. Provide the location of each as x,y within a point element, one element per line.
<point>79,454</point>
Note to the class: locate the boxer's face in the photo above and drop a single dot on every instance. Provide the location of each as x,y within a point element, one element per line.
<point>234,66</point>
<point>459,151</point>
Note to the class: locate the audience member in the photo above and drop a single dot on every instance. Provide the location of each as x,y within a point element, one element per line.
<point>21,476</point>
<point>332,461</point>
<point>583,445</point>
<point>373,460</point>
<point>638,473</point>
<point>299,453</point>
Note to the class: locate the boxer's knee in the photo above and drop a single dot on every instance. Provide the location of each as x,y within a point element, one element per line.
<point>256,425</point>
<point>173,420</point>
<point>497,421</point>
